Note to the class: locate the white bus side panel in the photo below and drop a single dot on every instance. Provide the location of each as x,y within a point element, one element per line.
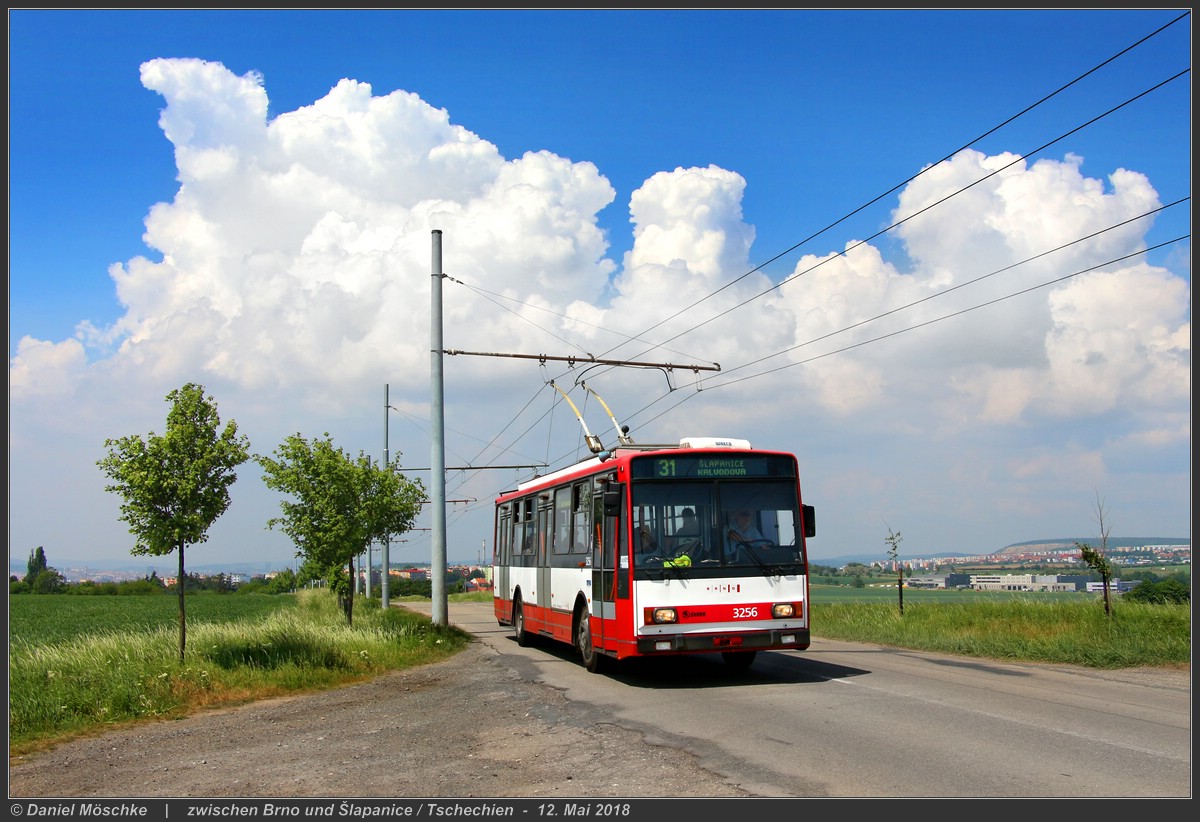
<point>566,584</point>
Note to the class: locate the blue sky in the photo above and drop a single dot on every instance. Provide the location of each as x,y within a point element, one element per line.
<point>285,265</point>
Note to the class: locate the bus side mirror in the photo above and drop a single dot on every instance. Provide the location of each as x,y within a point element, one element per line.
<point>612,500</point>
<point>810,520</point>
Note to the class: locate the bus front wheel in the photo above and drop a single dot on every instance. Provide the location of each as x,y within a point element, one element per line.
<point>592,659</point>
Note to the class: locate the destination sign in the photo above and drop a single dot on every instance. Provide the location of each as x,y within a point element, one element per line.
<point>712,466</point>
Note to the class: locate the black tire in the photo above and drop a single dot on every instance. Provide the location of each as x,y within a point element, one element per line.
<point>592,659</point>
<point>518,622</point>
<point>739,660</point>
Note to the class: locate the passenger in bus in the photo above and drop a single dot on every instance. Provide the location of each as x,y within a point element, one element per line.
<point>690,526</point>
<point>646,542</point>
<point>686,538</point>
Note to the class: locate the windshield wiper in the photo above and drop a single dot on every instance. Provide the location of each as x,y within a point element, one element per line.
<point>773,568</point>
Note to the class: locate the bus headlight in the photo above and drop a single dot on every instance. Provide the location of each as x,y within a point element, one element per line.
<point>660,616</point>
<point>785,610</point>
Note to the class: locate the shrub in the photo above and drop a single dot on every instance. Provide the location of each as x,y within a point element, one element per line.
<point>1167,591</point>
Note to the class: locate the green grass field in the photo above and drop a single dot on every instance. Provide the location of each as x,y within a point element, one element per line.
<point>49,619</point>
<point>1069,628</point>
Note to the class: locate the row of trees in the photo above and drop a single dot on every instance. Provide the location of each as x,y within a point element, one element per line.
<point>283,582</point>
<point>39,577</point>
<point>175,486</point>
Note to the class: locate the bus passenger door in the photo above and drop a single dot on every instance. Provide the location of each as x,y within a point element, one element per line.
<point>501,559</point>
<point>606,512</point>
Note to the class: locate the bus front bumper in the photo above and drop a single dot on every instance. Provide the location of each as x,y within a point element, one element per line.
<point>791,639</point>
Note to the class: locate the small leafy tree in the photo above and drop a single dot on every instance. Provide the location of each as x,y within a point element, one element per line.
<point>893,540</point>
<point>48,581</point>
<point>175,486</point>
<point>1097,560</point>
<point>341,505</point>
<point>283,582</point>
<point>36,563</point>
<point>39,577</point>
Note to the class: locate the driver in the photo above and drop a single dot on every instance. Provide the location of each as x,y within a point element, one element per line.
<point>742,529</point>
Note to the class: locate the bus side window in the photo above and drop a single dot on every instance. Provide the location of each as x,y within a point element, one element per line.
<point>528,527</point>
<point>582,517</point>
<point>562,520</point>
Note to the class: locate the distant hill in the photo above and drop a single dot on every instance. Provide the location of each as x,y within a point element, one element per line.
<point>1113,542</point>
<point>1014,548</point>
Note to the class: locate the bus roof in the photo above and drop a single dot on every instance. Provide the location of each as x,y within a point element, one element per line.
<point>604,456</point>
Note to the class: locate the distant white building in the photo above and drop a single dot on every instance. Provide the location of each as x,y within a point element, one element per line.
<point>1019,582</point>
<point>1120,586</point>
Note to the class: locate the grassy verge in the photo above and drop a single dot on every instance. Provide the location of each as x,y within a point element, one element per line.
<point>102,678</point>
<point>1032,629</point>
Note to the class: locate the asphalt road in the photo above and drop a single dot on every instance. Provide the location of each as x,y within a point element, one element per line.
<point>849,719</point>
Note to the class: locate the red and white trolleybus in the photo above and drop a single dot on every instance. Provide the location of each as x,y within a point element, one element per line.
<point>654,550</point>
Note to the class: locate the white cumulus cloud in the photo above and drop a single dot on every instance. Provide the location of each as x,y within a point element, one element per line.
<point>291,275</point>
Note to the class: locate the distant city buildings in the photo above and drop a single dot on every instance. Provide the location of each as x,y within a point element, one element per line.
<point>921,568</point>
<point>1046,583</point>
<point>1053,554</point>
<point>235,578</point>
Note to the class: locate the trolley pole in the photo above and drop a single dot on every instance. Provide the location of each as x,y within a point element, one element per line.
<point>384,559</point>
<point>438,448</point>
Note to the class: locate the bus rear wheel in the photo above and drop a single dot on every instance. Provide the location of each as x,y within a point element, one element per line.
<point>518,622</point>
<point>593,660</point>
<point>739,660</point>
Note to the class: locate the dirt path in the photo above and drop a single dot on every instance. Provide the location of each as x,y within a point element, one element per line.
<point>461,728</point>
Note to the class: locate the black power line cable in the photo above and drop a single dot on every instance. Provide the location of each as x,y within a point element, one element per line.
<point>946,291</point>
<point>988,176</point>
<point>949,156</point>
<point>991,131</point>
<point>890,334</point>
